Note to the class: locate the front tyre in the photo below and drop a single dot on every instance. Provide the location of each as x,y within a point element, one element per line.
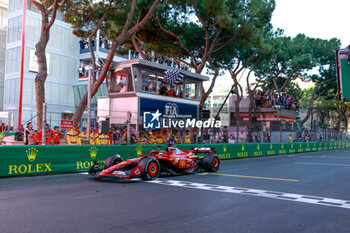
<point>112,160</point>
<point>210,163</point>
<point>150,168</point>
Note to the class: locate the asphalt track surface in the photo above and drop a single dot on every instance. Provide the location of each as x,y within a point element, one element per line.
<point>308,192</point>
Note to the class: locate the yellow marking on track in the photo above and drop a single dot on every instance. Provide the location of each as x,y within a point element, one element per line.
<point>325,164</point>
<point>252,177</point>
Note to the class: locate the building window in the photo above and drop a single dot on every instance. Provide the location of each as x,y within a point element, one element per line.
<point>3,18</point>
<point>14,29</point>
<point>149,81</point>
<point>190,88</point>
<point>16,5</point>
<point>13,57</point>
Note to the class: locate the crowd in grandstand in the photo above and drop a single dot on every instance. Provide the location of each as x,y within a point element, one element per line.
<point>272,99</point>
<point>115,135</point>
<point>103,43</point>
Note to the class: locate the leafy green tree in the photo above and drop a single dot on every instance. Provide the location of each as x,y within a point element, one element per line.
<point>122,20</point>
<point>192,32</point>
<point>291,88</point>
<point>247,52</point>
<point>289,58</point>
<point>325,79</point>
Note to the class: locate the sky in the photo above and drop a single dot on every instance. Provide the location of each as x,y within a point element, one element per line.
<point>323,19</point>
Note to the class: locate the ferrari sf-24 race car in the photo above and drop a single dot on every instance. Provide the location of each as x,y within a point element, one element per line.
<point>172,161</point>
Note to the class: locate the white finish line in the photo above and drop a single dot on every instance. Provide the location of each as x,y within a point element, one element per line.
<point>257,192</point>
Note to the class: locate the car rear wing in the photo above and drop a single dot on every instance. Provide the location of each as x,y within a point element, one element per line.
<point>207,150</point>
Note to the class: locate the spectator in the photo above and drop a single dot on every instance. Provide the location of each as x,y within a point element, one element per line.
<point>94,136</point>
<point>171,92</point>
<point>253,137</point>
<point>142,139</point>
<point>271,99</point>
<point>104,139</point>
<point>81,71</point>
<point>232,139</point>
<point>290,139</point>
<point>57,136</point>
<point>266,137</point>
<point>117,138</point>
<point>48,135</point>
<point>82,137</point>
<point>171,140</point>
<point>163,90</point>
<point>72,136</point>
<point>21,129</point>
<point>29,135</point>
<point>224,137</point>
<point>163,138</point>
<point>19,134</point>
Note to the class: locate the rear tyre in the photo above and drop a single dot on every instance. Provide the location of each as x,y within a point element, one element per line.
<point>210,163</point>
<point>150,168</point>
<point>112,160</point>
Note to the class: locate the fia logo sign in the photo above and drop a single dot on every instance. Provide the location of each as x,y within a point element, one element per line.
<point>151,120</point>
<point>171,109</point>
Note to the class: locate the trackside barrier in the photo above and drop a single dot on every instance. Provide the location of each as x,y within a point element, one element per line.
<point>36,160</point>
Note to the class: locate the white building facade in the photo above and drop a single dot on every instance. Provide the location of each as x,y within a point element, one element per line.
<point>63,88</point>
<point>3,31</point>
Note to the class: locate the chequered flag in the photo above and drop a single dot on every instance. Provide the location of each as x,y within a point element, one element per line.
<point>173,77</point>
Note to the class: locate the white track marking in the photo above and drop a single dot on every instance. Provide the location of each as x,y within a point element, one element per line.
<point>258,192</point>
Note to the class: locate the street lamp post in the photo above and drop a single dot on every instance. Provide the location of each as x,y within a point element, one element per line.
<point>232,91</point>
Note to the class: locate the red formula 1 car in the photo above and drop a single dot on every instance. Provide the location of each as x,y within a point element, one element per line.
<point>172,161</point>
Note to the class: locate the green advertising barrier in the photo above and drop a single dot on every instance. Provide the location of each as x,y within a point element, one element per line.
<point>36,160</point>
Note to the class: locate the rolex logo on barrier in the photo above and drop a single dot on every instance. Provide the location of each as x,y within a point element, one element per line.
<point>139,150</point>
<point>31,154</point>
<point>93,152</point>
<point>30,168</point>
<point>86,165</point>
<point>224,148</point>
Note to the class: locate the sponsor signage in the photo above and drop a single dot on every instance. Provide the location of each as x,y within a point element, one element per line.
<point>87,164</point>
<point>31,167</point>
<point>67,124</point>
<point>152,120</point>
<point>168,109</point>
<point>33,61</point>
<point>4,114</point>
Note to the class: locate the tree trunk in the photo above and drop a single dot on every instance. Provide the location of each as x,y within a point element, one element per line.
<point>313,98</point>
<point>126,32</point>
<point>340,117</point>
<point>237,102</point>
<point>95,86</point>
<point>42,73</point>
